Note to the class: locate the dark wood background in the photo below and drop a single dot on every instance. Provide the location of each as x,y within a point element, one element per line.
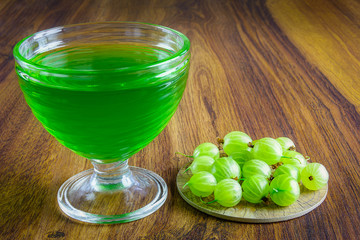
<point>268,68</point>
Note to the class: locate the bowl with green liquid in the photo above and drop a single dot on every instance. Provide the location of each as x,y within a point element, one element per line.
<point>105,91</point>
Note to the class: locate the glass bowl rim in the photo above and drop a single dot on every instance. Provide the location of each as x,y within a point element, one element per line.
<point>179,54</point>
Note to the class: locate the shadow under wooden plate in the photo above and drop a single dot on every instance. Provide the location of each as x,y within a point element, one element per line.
<point>249,212</point>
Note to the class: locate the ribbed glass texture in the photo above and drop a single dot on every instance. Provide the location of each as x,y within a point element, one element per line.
<point>104,90</point>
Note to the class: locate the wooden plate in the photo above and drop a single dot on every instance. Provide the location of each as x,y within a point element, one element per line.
<point>249,212</point>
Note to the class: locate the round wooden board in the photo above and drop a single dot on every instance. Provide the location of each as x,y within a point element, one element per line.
<point>249,212</point>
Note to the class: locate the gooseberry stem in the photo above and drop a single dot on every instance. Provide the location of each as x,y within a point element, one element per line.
<point>278,190</point>
<point>208,202</point>
<point>185,185</point>
<point>184,155</point>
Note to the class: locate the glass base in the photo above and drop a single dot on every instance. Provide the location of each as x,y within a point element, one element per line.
<point>87,197</point>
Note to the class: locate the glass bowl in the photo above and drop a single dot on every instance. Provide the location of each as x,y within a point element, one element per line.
<point>105,91</point>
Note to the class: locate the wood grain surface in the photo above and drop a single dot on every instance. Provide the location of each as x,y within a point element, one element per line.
<point>269,68</point>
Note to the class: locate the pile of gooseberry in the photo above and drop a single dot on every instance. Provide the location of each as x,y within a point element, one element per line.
<point>258,171</point>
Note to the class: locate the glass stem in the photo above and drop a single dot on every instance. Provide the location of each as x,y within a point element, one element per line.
<point>111,176</point>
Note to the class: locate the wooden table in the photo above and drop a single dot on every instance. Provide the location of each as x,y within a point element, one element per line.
<point>268,68</point>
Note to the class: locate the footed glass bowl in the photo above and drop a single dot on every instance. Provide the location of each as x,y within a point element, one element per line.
<point>105,90</point>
